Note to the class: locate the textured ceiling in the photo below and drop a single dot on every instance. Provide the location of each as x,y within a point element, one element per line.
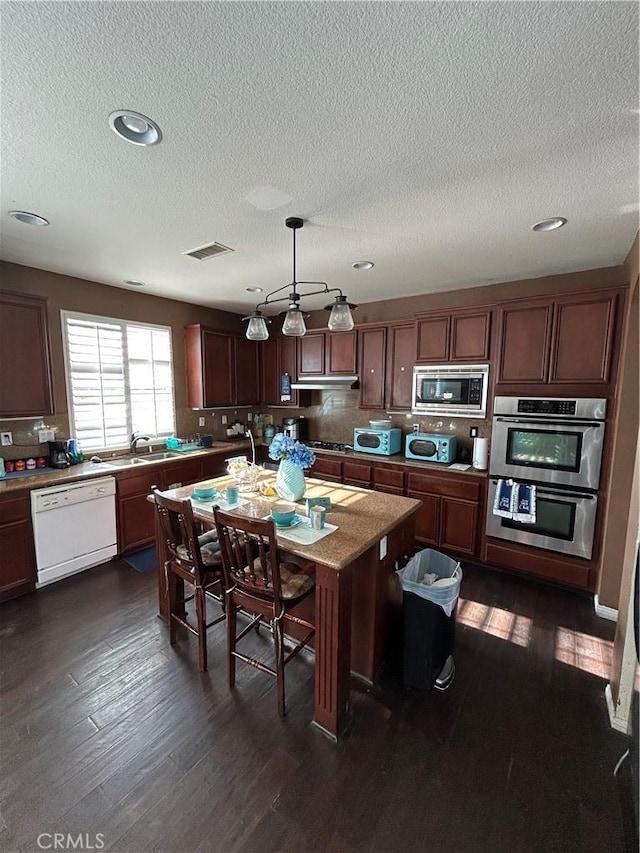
<point>426,137</point>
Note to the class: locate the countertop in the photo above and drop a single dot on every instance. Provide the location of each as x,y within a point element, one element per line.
<point>112,465</point>
<point>398,459</point>
<point>363,517</point>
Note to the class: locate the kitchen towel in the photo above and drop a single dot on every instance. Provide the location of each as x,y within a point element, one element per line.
<point>503,503</point>
<point>524,506</point>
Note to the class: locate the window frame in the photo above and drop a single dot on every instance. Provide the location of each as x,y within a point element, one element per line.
<point>124,324</point>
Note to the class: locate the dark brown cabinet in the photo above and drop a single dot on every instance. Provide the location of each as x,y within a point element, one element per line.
<point>450,511</point>
<point>278,357</point>
<point>356,473</point>
<point>387,479</point>
<point>372,367</point>
<point>17,554</point>
<point>460,335</point>
<point>24,341</point>
<point>222,369</point>
<point>563,341</point>
<point>135,516</point>
<point>327,353</point>
<point>387,356</point>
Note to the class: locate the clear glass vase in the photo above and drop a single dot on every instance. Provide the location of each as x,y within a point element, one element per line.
<point>290,482</point>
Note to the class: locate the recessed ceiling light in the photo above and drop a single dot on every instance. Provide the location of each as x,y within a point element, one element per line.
<point>363,265</point>
<point>134,282</point>
<point>28,218</point>
<point>134,127</point>
<point>254,290</point>
<point>549,224</point>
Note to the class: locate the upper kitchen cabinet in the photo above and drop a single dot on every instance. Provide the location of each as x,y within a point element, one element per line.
<point>24,341</point>
<point>387,356</point>
<point>222,368</point>
<point>279,358</point>
<point>460,335</point>
<point>565,341</point>
<point>327,353</point>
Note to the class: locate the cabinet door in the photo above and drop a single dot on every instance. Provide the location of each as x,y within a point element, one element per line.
<point>427,518</point>
<point>214,465</point>
<point>372,366</point>
<point>136,515</point>
<point>270,375</point>
<point>17,555</point>
<point>470,336</point>
<point>247,371</point>
<point>311,354</point>
<point>189,471</point>
<point>401,354</point>
<point>458,525</point>
<point>217,369</point>
<point>583,339</point>
<point>433,339</point>
<point>24,341</point>
<point>525,334</point>
<point>341,353</point>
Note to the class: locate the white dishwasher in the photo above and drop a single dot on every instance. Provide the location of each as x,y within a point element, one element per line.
<point>74,527</point>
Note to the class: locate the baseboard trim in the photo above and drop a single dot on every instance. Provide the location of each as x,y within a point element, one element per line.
<point>616,722</point>
<point>605,612</point>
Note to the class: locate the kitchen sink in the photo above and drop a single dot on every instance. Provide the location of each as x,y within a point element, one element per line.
<point>165,454</point>
<point>125,462</point>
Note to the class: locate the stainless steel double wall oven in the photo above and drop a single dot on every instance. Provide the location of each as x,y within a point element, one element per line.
<point>557,445</point>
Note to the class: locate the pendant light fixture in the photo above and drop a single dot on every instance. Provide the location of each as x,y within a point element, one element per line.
<point>340,319</point>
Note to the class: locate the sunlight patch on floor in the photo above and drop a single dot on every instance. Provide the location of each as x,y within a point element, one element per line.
<point>591,654</point>
<point>495,621</point>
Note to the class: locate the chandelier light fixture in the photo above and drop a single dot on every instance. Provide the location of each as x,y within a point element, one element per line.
<point>340,319</point>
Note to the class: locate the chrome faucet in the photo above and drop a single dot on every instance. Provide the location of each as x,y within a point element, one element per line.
<point>133,444</point>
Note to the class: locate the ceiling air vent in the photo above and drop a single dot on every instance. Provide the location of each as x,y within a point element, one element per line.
<point>212,250</point>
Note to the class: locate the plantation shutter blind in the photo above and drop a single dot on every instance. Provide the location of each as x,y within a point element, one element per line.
<point>120,380</point>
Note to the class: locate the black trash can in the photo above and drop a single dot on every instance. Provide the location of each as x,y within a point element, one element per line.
<point>429,620</point>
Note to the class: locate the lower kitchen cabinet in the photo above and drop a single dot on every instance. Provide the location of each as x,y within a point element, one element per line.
<point>17,553</point>
<point>450,511</point>
<point>213,466</point>
<point>136,519</point>
<point>182,473</point>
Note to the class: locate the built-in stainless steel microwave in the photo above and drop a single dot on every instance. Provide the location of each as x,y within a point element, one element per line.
<point>456,391</point>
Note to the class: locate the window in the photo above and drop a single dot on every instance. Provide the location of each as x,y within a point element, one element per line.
<point>119,379</point>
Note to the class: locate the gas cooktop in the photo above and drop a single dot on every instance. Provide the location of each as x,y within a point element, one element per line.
<point>330,445</point>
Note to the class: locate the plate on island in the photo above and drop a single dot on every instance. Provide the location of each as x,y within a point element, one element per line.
<point>205,500</point>
<point>296,521</point>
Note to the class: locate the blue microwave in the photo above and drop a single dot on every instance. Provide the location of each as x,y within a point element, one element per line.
<point>431,448</point>
<point>385,442</point>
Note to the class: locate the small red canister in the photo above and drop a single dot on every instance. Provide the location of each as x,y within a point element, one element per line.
<point>9,466</point>
<point>41,462</point>
<point>20,465</point>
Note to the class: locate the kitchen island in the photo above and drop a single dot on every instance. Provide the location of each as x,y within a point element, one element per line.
<point>356,590</point>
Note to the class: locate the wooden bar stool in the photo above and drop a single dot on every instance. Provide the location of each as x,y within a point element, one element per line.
<point>261,585</point>
<point>190,562</point>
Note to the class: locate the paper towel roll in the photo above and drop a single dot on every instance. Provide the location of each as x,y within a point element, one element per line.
<point>480,453</point>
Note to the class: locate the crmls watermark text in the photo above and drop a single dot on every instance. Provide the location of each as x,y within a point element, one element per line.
<point>67,841</point>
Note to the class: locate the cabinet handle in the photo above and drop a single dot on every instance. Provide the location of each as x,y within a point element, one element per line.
<point>402,370</point>
<point>372,370</point>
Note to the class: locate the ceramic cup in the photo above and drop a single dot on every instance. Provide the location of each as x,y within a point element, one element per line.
<point>230,494</point>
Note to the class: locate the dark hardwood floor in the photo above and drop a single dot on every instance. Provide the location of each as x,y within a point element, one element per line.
<point>109,733</point>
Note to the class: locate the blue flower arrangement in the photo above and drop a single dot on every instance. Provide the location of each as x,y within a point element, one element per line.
<point>284,447</point>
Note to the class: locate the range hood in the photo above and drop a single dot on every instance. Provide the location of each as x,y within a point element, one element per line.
<point>325,383</point>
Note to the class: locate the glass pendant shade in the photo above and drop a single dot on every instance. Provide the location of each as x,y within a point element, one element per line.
<point>340,319</point>
<point>294,325</point>
<point>257,329</point>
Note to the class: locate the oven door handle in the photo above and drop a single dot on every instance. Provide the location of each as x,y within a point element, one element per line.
<point>563,493</point>
<point>549,423</point>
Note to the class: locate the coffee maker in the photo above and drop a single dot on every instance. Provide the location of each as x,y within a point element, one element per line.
<point>59,456</point>
<point>297,428</point>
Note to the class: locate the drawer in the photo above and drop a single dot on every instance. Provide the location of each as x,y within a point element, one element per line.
<point>15,508</point>
<point>447,486</point>
<point>183,473</point>
<point>359,471</point>
<point>138,483</point>
<point>388,477</point>
<point>324,465</point>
